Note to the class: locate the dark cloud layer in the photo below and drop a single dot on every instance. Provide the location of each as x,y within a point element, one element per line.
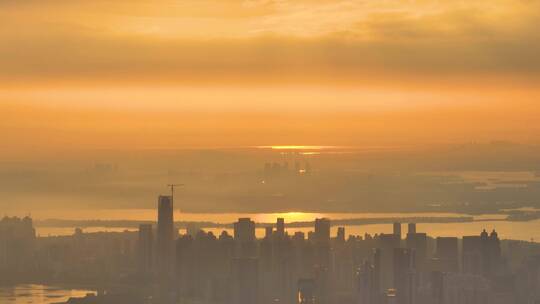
<point>83,40</point>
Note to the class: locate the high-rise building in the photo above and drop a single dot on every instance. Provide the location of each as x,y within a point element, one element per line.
<point>322,230</point>
<point>397,229</point>
<point>472,254</point>
<point>481,254</point>
<point>245,281</point>
<point>463,288</point>
<point>447,254</point>
<point>322,246</point>
<point>404,275</point>
<point>437,287</point>
<point>366,285</point>
<point>280,227</point>
<point>341,234</point>
<point>491,253</point>
<point>377,268</point>
<point>418,242</point>
<point>299,236</point>
<point>244,236</point>
<point>387,243</point>
<point>268,231</point>
<point>165,238</point>
<point>244,230</point>
<point>17,241</point>
<point>412,228</point>
<point>145,249</point>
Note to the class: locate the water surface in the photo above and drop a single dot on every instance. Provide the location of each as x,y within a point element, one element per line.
<point>38,294</point>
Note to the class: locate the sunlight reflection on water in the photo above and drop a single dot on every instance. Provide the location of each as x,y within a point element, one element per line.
<point>507,230</point>
<point>33,293</point>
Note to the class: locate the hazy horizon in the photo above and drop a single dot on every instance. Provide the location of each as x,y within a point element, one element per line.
<point>464,178</point>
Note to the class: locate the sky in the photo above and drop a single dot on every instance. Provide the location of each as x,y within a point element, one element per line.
<point>141,74</point>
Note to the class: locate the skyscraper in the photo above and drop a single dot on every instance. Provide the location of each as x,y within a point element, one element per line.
<point>268,231</point>
<point>472,254</point>
<point>404,280</point>
<point>491,253</point>
<point>145,249</point>
<point>165,238</point>
<point>244,230</point>
<point>412,228</point>
<point>447,253</point>
<point>366,287</point>
<point>341,234</point>
<point>322,230</point>
<point>397,229</point>
<point>245,281</point>
<point>418,242</point>
<point>280,227</point>
<point>387,243</point>
<point>244,236</point>
<point>377,268</point>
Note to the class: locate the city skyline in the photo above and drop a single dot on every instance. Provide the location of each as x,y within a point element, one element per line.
<point>404,266</point>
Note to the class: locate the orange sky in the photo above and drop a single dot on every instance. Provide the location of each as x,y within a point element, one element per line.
<point>102,74</point>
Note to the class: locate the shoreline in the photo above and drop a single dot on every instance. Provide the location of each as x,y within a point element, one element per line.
<point>58,223</point>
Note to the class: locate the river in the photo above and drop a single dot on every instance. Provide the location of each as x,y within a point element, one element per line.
<point>507,230</point>
<point>38,294</point>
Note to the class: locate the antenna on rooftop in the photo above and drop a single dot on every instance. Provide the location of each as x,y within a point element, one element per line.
<point>172,186</point>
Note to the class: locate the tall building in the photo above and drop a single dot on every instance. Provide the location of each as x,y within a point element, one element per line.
<point>245,281</point>
<point>418,242</point>
<point>491,253</point>
<point>397,229</point>
<point>412,228</point>
<point>481,254</point>
<point>472,254</point>
<point>322,230</point>
<point>447,254</point>
<point>145,249</point>
<point>366,285</point>
<point>244,236</point>
<point>377,268</point>
<point>268,231</point>
<point>280,227</point>
<point>17,242</point>
<point>341,234</point>
<point>165,253</point>
<point>437,287</point>
<point>387,243</point>
<point>321,239</point>
<point>244,230</point>
<point>463,288</point>
<point>404,275</point>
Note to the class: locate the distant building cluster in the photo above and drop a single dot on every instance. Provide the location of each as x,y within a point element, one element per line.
<point>276,169</point>
<point>159,265</point>
<point>17,241</point>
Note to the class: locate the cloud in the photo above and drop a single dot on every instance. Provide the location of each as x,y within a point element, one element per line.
<point>209,39</point>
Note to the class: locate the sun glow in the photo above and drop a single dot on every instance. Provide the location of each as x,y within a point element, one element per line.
<point>289,217</point>
<point>298,147</point>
